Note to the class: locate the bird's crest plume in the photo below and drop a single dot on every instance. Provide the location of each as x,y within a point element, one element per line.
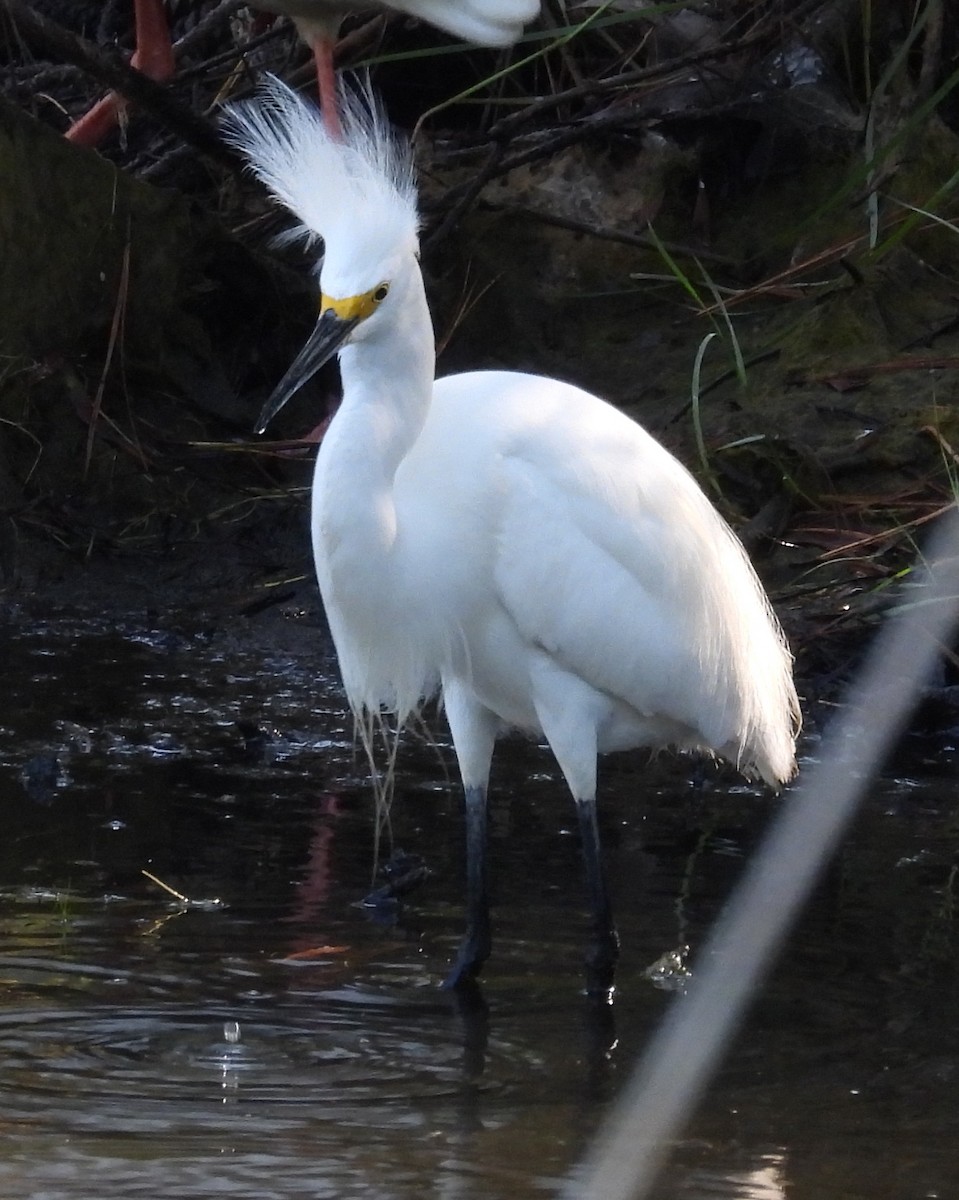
<point>364,180</point>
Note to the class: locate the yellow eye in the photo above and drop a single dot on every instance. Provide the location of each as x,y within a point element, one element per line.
<point>380,293</point>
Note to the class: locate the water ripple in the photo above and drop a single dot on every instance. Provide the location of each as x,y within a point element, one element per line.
<point>138,1068</point>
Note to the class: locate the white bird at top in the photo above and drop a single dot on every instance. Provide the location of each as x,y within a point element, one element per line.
<point>507,538</point>
<point>482,22</point>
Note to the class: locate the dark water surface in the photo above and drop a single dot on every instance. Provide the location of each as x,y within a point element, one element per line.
<point>273,1038</point>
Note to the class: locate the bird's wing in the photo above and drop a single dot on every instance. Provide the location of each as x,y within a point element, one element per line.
<point>611,560</point>
<point>533,499</point>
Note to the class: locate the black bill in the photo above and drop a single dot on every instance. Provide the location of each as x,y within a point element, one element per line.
<point>329,334</point>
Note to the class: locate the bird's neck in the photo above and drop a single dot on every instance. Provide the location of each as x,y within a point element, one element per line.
<point>387,390</point>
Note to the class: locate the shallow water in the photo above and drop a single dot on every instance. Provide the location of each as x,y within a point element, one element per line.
<point>269,1036</point>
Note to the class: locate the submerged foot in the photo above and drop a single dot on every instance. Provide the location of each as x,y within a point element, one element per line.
<point>463,974</point>
<point>468,963</point>
<point>601,958</point>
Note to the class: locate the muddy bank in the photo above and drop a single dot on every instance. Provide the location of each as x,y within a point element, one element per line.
<point>742,235</point>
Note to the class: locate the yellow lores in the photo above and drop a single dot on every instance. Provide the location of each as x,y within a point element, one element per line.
<point>355,308</point>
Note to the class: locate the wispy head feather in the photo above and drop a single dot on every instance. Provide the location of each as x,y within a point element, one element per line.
<point>334,187</point>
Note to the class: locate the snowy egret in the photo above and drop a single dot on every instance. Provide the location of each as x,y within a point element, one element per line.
<point>506,538</point>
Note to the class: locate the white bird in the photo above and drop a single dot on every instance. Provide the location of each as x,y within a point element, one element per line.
<point>482,22</point>
<point>505,537</point>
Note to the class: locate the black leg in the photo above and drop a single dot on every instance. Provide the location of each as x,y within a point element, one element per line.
<point>603,949</point>
<point>475,947</point>
<point>470,1006</point>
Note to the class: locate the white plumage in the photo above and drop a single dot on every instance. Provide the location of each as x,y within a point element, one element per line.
<point>496,23</point>
<point>482,22</point>
<point>508,537</point>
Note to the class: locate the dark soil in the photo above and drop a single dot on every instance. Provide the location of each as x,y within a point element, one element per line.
<point>781,178</point>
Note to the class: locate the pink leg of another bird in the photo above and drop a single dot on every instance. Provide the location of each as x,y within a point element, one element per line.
<point>96,123</point>
<point>153,56</point>
<point>323,46</point>
<point>154,53</point>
